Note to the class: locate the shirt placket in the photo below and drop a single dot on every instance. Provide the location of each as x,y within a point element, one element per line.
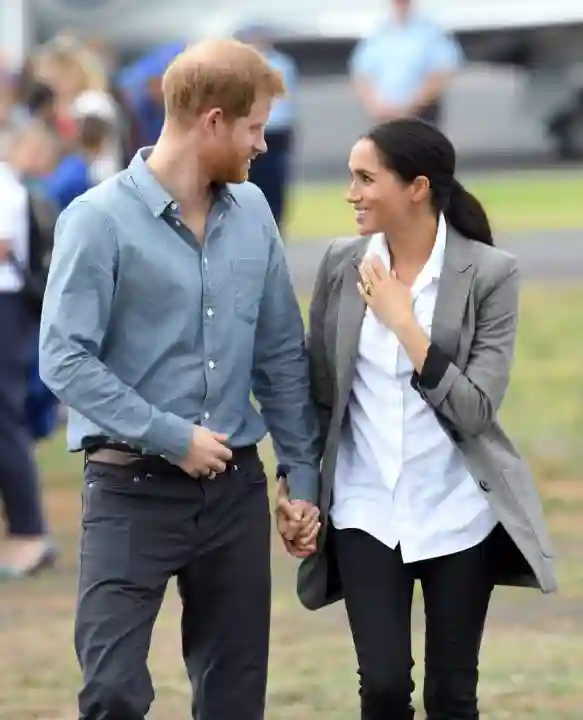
<point>210,290</point>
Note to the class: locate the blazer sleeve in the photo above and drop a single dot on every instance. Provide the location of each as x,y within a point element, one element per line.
<point>322,384</point>
<point>470,399</point>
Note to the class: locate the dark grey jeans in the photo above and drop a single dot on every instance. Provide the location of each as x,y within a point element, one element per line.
<point>138,531</point>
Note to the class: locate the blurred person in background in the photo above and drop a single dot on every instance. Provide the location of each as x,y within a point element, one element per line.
<point>102,157</point>
<point>271,170</point>
<point>70,69</point>
<point>54,170</point>
<point>98,136</point>
<point>130,140</point>
<point>47,166</point>
<point>140,85</point>
<point>419,480</point>
<point>41,104</point>
<point>35,153</point>
<point>27,548</point>
<point>403,69</point>
<point>12,112</point>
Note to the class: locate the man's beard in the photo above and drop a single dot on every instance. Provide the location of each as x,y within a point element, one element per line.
<point>233,173</point>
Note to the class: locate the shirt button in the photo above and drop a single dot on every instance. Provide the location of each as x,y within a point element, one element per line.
<point>210,312</point>
<point>212,364</point>
<point>206,415</point>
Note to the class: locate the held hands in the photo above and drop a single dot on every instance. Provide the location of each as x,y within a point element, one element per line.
<point>298,522</point>
<point>207,453</point>
<point>385,294</point>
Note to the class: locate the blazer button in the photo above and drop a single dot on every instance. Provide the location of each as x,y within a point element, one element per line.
<point>485,486</point>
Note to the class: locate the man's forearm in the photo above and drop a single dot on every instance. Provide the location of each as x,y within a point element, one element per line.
<point>430,92</point>
<point>282,389</point>
<point>85,384</point>
<point>368,97</point>
<point>295,435</point>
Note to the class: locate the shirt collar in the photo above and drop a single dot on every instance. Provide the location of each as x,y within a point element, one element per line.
<point>157,198</point>
<point>435,263</point>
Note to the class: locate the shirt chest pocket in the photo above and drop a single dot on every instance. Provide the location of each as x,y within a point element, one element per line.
<point>248,277</point>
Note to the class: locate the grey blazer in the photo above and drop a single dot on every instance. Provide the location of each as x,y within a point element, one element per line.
<point>474,328</point>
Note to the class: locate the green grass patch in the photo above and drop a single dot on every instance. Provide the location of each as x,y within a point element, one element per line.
<point>514,203</point>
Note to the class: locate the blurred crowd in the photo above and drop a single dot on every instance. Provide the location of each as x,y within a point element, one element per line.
<point>72,118</point>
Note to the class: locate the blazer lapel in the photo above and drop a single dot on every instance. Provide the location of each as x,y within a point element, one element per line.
<point>455,283</point>
<point>351,311</point>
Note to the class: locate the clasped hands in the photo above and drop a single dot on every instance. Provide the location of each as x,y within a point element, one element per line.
<point>298,522</point>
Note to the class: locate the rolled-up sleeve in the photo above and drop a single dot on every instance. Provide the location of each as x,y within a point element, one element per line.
<point>281,379</point>
<point>75,317</point>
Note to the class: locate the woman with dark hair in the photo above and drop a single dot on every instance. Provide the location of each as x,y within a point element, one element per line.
<point>412,332</point>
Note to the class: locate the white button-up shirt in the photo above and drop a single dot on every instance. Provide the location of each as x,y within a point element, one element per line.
<point>399,477</point>
<point>13,226</point>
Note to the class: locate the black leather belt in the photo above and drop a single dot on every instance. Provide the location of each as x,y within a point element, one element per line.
<point>121,456</point>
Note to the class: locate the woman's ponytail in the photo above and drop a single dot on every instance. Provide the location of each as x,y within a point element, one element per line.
<point>466,215</point>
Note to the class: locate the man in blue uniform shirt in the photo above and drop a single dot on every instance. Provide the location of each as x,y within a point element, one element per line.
<point>404,68</point>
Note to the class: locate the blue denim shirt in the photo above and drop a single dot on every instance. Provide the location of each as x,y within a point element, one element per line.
<point>146,331</point>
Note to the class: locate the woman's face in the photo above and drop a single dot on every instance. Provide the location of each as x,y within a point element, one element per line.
<point>379,196</point>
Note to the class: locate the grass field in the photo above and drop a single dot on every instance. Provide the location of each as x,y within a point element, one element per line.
<point>517,202</point>
<point>533,652</point>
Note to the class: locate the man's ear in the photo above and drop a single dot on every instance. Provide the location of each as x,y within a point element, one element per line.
<point>212,118</point>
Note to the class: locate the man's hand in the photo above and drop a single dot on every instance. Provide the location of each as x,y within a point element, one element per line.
<point>207,453</point>
<point>298,523</point>
<point>4,250</point>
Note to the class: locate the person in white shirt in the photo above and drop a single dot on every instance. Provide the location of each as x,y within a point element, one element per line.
<point>27,547</point>
<point>411,339</point>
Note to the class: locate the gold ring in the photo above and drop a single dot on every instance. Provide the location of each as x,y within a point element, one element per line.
<point>368,288</point>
